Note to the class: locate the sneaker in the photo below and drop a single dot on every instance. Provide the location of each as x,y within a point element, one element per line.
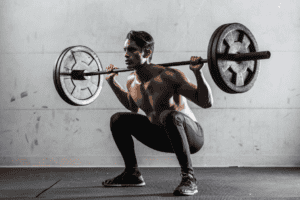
<point>187,186</point>
<point>125,180</point>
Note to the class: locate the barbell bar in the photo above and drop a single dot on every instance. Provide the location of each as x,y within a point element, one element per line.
<point>80,74</point>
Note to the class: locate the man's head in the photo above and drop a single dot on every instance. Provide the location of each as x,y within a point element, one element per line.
<point>139,47</point>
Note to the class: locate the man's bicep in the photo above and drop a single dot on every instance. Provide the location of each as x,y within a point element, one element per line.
<point>186,88</point>
<point>133,106</point>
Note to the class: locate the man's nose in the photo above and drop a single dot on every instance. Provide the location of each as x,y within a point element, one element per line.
<point>126,54</point>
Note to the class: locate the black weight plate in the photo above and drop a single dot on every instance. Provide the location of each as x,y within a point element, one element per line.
<point>232,76</point>
<point>211,63</point>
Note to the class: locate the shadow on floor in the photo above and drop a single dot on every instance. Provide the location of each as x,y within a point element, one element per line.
<point>86,183</point>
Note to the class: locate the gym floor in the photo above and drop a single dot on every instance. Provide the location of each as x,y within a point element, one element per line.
<point>85,183</point>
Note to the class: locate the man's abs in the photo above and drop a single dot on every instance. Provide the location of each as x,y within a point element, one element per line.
<point>155,114</point>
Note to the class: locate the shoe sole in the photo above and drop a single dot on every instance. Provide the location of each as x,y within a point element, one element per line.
<point>125,185</point>
<point>189,193</point>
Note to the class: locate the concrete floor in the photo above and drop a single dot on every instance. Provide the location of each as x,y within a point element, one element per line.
<point>85,183</point>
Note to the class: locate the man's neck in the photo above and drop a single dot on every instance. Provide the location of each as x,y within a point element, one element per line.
<point>145,72</point>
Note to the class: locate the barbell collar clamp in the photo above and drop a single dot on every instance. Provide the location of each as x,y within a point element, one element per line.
<point>78,75</point>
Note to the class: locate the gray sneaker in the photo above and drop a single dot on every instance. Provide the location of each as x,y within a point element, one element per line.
<point>125,180</point>
<point>187,186</point>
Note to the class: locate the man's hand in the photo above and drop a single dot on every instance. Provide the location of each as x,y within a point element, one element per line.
<point>111,67</point>
<point>196,67</point>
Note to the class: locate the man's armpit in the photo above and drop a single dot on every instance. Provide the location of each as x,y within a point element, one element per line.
<point>128,84</point>
<point>131,76</point>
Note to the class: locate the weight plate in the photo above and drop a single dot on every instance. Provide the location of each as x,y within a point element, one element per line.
<point>213,70</point>
<point>231,76</point>
<point>78,92</point>
<point>56,80</point>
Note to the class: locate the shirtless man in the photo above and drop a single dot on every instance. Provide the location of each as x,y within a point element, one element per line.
<point>169,125</point>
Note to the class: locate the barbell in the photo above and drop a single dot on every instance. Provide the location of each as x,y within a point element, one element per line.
<point>232,57</point>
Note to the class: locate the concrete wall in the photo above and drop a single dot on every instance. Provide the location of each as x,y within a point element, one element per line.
<point>37,128</point>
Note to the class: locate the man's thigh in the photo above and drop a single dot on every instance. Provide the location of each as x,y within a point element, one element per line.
<point>156,137</point>
<point>194,134</point>
<point>143,130</point>
<point>172,120</point>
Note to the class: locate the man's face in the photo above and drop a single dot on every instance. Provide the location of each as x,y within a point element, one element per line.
<point>133,54</point>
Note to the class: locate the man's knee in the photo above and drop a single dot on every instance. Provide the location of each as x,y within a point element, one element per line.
<point>171,116</point>
<point>115,118</point>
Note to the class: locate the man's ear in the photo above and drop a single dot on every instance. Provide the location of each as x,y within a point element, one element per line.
<point>147,53</point>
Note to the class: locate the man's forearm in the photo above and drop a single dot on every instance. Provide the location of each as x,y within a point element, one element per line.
<point>204,94</point>
<point>120,92</point>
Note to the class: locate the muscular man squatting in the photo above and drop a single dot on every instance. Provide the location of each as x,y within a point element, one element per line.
<point>169,125</point>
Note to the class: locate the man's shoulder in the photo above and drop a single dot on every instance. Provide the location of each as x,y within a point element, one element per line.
<point>130,79</point>
<point>172,73</point>
<point>131,76</point>
<point>175,76</point>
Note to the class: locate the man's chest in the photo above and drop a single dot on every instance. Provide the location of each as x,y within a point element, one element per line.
<point>155,91</point>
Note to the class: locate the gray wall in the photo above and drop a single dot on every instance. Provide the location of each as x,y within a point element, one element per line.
<point>257,128</point>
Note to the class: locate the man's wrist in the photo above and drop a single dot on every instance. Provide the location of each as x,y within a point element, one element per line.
<point>197,72</point>
<point>110,78</point>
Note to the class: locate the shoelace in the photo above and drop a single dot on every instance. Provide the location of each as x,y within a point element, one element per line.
<point>186,175</point>
<point>186,179</point>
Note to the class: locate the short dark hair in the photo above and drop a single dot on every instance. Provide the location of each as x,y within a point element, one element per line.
<point>142,39</point>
